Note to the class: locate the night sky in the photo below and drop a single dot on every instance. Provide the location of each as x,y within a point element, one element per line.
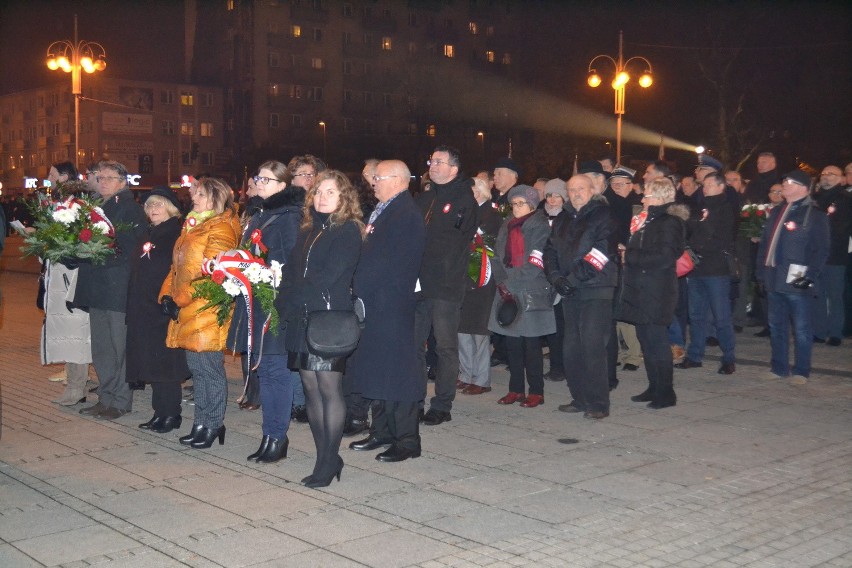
<point>792,59</point>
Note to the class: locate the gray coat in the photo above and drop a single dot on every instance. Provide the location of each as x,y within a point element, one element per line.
<point>526,283</point>
<point>65,333</point>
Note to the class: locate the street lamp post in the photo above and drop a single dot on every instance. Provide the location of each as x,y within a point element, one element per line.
<point>619,83</point>
<point>76,57</point>
<point>324,153</point>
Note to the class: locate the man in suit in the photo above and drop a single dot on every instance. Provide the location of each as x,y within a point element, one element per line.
<point>385,368</point>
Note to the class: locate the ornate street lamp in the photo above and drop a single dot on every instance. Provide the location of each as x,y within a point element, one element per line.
<point>619,82</point>
<point>75,57</point>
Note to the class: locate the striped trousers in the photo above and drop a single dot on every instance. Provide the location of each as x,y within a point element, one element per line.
<point>210,387</point>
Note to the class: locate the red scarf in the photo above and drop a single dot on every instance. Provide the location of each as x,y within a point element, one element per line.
<point>515,250</point>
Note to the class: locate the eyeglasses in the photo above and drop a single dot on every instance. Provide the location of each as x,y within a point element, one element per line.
<point>263,179</point>
<point>304,175</point>
<point>829,174</point>
<point>380,178</point>
<point>776,192</point>
<point>436,162</point>
<point>99,179</point>
<point>519,204</point>
<point>154,205</point>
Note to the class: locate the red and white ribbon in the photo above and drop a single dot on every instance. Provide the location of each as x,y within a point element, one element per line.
<point>146,249</point>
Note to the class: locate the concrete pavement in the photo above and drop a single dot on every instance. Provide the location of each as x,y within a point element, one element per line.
<point>742,472</point>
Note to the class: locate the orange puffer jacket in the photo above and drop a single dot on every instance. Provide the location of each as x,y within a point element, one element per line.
<point>194,330</point>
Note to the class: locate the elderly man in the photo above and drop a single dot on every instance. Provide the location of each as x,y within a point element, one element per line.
<point>795,233</point>
<point>102,288</point>
<point>384,367</point>
<point>451,215</point>
<point>829,312</point>
<point>767,176</point>
<point>578,263</point>
<point>506,175</point>
<point>711,236</point>
<point>735,179</point>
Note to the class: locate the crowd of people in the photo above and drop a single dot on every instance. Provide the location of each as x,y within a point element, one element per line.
<point>608,269</point>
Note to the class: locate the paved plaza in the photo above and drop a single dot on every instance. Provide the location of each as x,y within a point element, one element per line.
<point>743,472</point>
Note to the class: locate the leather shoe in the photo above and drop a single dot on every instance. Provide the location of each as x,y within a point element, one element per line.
<point>154,420</point>
<point>397,454</point>
<point>658,404</point>
<point>571,408</point>
<point>167,424</point>
<point>96,408</point>
<point>555,376</point>
<point>110,413</point>
<point>629,367</point>
<point>512,398</point>
<point>646,396</point>
<point>368,444</point>
<point>689,364</point>
<point>595,414</point>
<point>533,400</point>
<point>475,389</point>
<point>461,385</point>
<point>435,417</point>
<point>356,426</point>
<point>727,369</point>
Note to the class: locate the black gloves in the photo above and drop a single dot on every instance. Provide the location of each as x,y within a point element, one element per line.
<point>802,283</point>
<point>562,286</point>
<point>170,308</point>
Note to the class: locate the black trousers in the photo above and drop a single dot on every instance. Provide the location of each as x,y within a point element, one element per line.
<point>166,398</point>
<point>588,328</point>
<point>657,354</point>
<point>525,357</point>
<point>397,422</point>
<point>555,341</point>
<point>442,318</point>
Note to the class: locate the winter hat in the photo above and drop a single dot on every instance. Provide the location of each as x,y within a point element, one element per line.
<point>166,193</point>
<point>529,194</point>
<point>799,177</point>
<point>509,164</point>
<point>556,186</point>
<point>590,167</point>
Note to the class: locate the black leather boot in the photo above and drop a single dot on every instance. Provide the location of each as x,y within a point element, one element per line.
<point>275,451</point>
<point>206,438</point>
<point>189,438</point>
<point>166,424</point>
<point>264,443</point>
<point>646,396</point>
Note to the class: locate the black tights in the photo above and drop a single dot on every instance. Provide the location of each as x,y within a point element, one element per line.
<point>326,413</point>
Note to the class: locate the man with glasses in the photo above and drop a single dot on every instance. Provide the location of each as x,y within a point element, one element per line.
<point>102,289</point>
<point>793,250</point>
<point>831,197</point>
<point>385,368</point>
<point>451,215</point>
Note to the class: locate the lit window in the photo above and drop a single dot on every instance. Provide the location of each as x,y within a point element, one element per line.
<point>449,51</point>
<point>296,31</point>
<point>230,5</point>
<point>489,56</point>
<point>507,59</point>
<point>187,128</point>
<point>431,130</point>
<point>274,90</point>
<point>316,62</point>
<point>386,43</point>
<point>474,29</point>
<point>186,99</point>
<point>206,129</point>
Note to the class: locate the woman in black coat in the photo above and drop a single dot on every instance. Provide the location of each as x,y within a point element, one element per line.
<point>148,360</point>
<point>318,276</point>
<point>649,290</point>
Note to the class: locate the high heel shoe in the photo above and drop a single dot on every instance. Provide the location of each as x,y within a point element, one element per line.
<point>197,429</point>
<point>317,482</point>
<point>264,443</point>
<point>276,450</point>
<point>306,479</point>
<point>205,439</point>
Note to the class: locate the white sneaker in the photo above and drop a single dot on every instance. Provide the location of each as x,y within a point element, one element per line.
<point>798,380</point>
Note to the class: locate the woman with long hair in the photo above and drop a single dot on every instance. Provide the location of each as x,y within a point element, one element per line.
<point>212,227</point>
<point>318,276</point>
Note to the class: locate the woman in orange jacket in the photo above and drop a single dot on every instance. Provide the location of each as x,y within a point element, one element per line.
<point>212,227</point>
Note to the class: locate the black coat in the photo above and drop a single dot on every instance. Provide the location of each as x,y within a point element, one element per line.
<point>710,232</point>
<point>385,366</point>
<point>476,307</point>
<point>148,358</point>
<point>104,286</point>
<point>572,238</point>
<point>278,219</point>
<point>450,212</point>
<point>837,204</point>
<point>649,287</point>
<point>321,266</point>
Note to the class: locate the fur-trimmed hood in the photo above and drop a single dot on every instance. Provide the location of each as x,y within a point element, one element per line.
<point>291,195</point>
<point>678,210</point>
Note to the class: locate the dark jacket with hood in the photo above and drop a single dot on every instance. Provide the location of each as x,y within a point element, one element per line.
<point>649,285</point>
<point>451,215</point>
<point>278,219</point>
<point>837,204</point>
<point>581,247</point>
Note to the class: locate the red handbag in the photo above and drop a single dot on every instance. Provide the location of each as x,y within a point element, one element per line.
<point>685,263</point>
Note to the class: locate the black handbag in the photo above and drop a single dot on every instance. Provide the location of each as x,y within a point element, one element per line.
<point>42,291</point>
<point>334,333</point>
